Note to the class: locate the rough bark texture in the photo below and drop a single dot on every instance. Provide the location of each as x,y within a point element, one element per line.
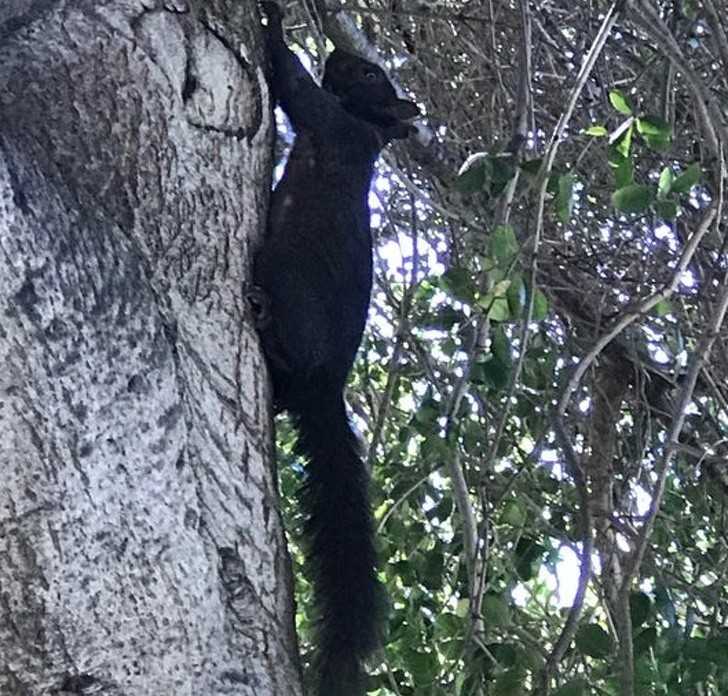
<point>141,551</point>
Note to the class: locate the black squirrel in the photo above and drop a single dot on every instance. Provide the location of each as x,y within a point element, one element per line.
<point>313,280</point>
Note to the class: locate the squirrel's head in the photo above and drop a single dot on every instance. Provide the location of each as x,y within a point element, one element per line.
<point>366,92</point>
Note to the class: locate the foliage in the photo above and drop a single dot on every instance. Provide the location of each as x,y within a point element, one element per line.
<point>479,319</point>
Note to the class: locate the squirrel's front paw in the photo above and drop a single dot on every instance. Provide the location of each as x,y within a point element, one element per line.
<point>260,306</point>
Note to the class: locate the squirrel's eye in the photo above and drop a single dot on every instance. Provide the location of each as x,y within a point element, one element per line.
<point>370,75</point>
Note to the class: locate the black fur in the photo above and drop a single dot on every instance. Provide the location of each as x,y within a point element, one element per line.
<point>315,274</point>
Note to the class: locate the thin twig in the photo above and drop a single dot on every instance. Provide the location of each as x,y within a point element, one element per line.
<point>704,102</point>
<point>571,623</point>
<point>572,620</point>
<point>642,308</point>
<point>401,332</point>
<point>698,360</point>
<point>520,131</point>
<point>717,30</point>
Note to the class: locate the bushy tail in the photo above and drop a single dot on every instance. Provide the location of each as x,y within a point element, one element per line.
<point>338,533</point>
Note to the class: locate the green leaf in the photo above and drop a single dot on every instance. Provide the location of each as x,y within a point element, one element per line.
<point>624,144</point>
<point>615,157</point>
<point>495,302</point>
<point>496,611</point>
<point>532,167</point>
<point>565,197</point>
<point>664,184</point>
<point>426,289</point>
<point>503,168</point>
<point>501,347</point>
<point>495,274</point>
<point>696,648</point>
<point>503,246</point>
<point>645,676</point>
<point>667,210</point>
<point>431,575</point>
<point>689,8</point>
<point>634,198</point>
<point>594,641</point>
<point>433,448</point>
<point>624,173</point>
<point>531,659</point>
<point>504,653</point>
<point>658,142</point>
<point>596,131</point>
<point>492,373</point>
<point>428,411</point>
<point>471,181</point>
<point>457,282</point>
<point>499,310</point>
<point>652,125</point>
<point>575,687</point>
<point>619,101</point>
<point>510,683</point>
<point>495,370</point>
<point>697,673</point>
<point>656,132</point>
<point>500,289</point>
<point>448,624</point>
<point>514,514</point>
<point>685,181</point>
<point>718,650</point>
<point>516,296</point>
<point>422,665</point>
<point>707,649</point>
<point>540,306</point>
<point>472,435</point>
<point>474,174</point>
<point>462,608</point>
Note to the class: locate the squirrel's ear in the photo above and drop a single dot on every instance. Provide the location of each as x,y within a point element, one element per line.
<point>274,15</point>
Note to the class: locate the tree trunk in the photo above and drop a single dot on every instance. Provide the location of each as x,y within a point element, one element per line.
<point>141,550</point>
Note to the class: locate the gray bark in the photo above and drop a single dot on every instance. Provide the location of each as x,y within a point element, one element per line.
<point>141,551</point>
